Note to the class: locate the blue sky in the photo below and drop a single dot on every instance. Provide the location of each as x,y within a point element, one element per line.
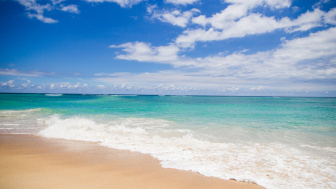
<point>213,47</point>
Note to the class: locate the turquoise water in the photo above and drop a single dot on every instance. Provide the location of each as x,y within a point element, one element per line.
<point>277,142</point>
<point>271,112</point>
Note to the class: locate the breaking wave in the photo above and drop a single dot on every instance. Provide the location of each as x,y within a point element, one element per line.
<point>272,165</point>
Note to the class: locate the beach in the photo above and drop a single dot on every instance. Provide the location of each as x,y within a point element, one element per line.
<point>28,161</point>
<point>169,141</point>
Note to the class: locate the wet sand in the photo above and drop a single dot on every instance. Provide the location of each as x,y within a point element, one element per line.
<point>35,162</point>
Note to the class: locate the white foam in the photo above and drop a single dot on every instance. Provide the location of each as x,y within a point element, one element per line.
<point>6,112</point>
<point>54,94</point>
<point>9,124</point>
<point>273,165</point>
<point>20,121</point>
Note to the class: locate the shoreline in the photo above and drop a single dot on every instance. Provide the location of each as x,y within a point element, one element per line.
<point>28,161</point>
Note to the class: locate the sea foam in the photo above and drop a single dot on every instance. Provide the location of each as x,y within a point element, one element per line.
<point>21,121</point>
<point>52,94</point>
<point>269,164</point>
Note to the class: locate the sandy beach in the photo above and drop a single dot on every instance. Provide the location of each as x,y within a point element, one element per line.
<point>34,162</point>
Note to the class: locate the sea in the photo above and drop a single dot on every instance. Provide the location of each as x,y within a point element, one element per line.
<point>275,142</point>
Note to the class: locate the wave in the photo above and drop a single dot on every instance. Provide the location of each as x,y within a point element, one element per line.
<point>122,95</point>
<point>54,94</point>
<point>20,111</point>
<point>21,121</point>
<point>272,165</point>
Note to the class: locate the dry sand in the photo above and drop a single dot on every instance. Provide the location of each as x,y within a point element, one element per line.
<point>32,162</point>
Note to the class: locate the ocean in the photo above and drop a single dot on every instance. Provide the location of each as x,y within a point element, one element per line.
<point>275,142</point>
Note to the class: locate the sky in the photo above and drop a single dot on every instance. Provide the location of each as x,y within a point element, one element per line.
<point>169,47</point>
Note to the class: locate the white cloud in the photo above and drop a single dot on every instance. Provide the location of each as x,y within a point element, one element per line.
<point>302,58</point>
<point>122,3</point>
<point>36,10</point>
<point>13,85</point>
<point>233,89</point>
<point>175,17</point>
<point>249,25</point>
<point>151,8</point>
<point>42,18</point>
<point>101,86</point>
<point>238,9</point>
<point>32,5</point>
<point>9,84</point>
<point>75,86</point>
<point>311,57</point>
<point>55,2</point>
<point>71,9</point>
<point>320,3</point>
<point>144,52</point>
<point>66,86</point>
<point>24,85</point>
<point>257,88</point>
<point>52,86</point>
<point>162,78</point>
<point>181,2</point>
<point>236,26</point>
<point>305,21</point>
<point>278,4</point>
<point>330,17</point>
<point>14,72</point>
<point>317,45</point>
<point>183,82</point>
